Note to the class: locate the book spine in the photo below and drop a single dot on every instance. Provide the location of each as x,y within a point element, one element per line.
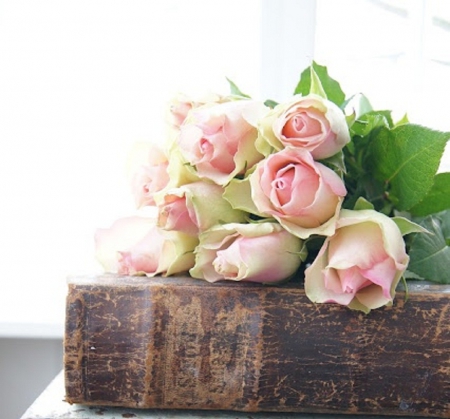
<point>174,345</point>
<point>106,344</point>
<point>206,348</point>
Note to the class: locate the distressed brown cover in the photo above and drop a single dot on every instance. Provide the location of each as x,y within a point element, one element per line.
<point>187,344</point>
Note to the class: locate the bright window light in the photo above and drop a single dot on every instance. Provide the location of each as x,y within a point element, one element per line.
<point>80,82</point>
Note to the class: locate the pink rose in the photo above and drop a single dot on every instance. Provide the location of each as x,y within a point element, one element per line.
<point>149,177</point>
<point>179,109</point>
<point>303,195</point>
<point>219,140</point>
<point>262,252</point>
<point>195,207</point>
<point>134,245</point>
<point>361,264</point>
<point>181,105</point>
<point>174,214</point>
<point>311,123</point>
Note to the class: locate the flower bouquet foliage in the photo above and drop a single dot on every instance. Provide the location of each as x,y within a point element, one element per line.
<point>320,187</point>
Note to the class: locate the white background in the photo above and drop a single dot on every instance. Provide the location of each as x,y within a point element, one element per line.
<point>80,82</point>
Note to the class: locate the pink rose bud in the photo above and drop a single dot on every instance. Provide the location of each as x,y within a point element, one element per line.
<point>195,207</point>
<point>134,245</point>
<point>174,215</point>
<point>310,123</point>
<point>219,140</point>
<point>178,110</point>
<point>181,105</point>
<point>149,177</point>
<point>303,195</point>
<point>263,252</point>
<point>361,264</point>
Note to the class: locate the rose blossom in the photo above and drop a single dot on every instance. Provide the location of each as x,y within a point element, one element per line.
<point>195,207</point>
<point>303,195</point>
<point>148,172</point>
<point>263,252</point>
<point>219,140</point>
<point>181,105</point>
<point>361,264</point>
<point>174,214</point>
<point>135,245</point>
<point>309,122</point>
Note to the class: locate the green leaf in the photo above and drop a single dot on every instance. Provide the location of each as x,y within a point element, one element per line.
<point>363,204</point>
<point>234,90</point>
<point>316,85</point>
<point>430,253</point>
<point>330,86</point>
<point>335,162</point>
<point>445,225</point>
<point>357,105</point>
<point>270,103</point>
<point>303,252</point>
<point>407,226</point>
<point>437,199</point>
<point>411,275</point>
<point>404,120</point>
<point>350,118</point>
<point>405,286</point>
<point>406,160</point>
<point>366,123</point>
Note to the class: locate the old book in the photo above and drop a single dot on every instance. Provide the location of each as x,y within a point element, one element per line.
<point>187,344</point>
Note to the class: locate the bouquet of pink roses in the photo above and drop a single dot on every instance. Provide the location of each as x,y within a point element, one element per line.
<point>318,187</point>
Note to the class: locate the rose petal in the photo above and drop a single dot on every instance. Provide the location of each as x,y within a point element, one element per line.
<point>359,243</point>
<point>381,274</point>
<point>315,287</point>
<point>373,297</point>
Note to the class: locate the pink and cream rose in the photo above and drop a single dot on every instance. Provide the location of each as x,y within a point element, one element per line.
<point>218,141</point>
<point>136,246</point>
<point>310,123</point>
<point>361,264</point>
<point>181,105</point>
<point>303,195</point>
<point>263,252</point>
<point>148,172</point>
<point>195,207</point>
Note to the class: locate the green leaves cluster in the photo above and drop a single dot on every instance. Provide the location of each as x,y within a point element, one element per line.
<point>394,167</point>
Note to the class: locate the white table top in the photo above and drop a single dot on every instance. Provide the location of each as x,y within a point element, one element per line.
<point>51,405</point>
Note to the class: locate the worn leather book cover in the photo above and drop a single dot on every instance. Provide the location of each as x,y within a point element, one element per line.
<point>181,343</point>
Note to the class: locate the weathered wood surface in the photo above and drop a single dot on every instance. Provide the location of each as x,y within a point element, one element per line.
<point>179,343</point>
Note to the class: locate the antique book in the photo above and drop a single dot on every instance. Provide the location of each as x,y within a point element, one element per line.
<point>182,343</point>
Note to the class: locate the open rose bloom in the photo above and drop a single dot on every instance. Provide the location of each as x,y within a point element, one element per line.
<point>303,195</point>
<point>361,264</point>
<point>310,123</point>
<point>218,141</point>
